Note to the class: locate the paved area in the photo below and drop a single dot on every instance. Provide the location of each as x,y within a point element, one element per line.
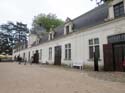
<point>15,78</point>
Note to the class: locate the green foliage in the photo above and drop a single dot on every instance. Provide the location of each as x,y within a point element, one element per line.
<point>5,43</point>
<point>46,21</point>
<point>11,35</point>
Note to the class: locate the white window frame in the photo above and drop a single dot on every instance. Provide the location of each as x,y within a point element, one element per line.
<point>50,53</point>
<point>68,51</point>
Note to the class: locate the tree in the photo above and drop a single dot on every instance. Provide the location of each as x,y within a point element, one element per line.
<point>46,21</point>
<point>12,35</point>
<point>101,1</point>
<point>5,43</point>
<point>20,35</point>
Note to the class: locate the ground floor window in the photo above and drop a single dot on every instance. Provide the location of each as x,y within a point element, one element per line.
<point>29,55</point>
<point>40,54</point>
<point>23,56</point>
<point>50,53</point>
<point>94,46</point>
<point>90,52</point>
<point>68,51</point>
<point>32,53</point>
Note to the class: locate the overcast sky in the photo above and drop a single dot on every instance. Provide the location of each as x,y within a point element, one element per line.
<point>25,10</point>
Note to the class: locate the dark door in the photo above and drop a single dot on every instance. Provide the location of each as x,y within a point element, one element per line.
<point>108,57</point>
<point>119,56</point>
<point>124,52</point>
<point>29,56</point>
<point>57,55</point>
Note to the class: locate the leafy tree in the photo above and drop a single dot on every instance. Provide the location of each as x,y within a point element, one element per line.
<point>12,35</point>
<point>5,43</point>
<point>101,1</point>
<point>46,21</point>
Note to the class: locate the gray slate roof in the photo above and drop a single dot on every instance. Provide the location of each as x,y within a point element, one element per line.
<point>89,19</point>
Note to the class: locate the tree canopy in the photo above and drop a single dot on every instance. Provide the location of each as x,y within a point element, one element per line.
<point>100,1</point>
<point>47,21</point>
<point>11,35</point>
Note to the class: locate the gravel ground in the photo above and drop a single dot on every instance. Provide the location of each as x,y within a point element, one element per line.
<point>108,76</point>
<point>15,78</point>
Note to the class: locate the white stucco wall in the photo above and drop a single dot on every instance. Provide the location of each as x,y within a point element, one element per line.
<point>79,43</point>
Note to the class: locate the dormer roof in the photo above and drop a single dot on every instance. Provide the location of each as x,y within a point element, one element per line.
<point>68,20</point>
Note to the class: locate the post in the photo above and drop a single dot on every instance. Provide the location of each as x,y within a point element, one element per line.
<point>95,62</point>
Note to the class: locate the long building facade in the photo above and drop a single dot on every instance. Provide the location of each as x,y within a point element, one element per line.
<point>101,30</point>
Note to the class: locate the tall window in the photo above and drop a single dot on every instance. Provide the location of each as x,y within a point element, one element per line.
<point>50,53</point>
<point>29,56</point>
<point>119,9</point>
<point>68,51</point>
<point>32,53</point>
<point>94,45</point>
<point>40,54</point>
<point>23,56</point>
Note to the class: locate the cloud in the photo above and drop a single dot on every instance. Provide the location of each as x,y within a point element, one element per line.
<point>25,10</point>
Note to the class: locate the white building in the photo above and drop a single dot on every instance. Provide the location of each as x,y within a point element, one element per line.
<point>101,30</point>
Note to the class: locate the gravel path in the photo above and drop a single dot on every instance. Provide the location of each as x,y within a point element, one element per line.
<point>15,78</point>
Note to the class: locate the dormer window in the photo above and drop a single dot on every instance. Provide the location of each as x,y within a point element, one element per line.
<point>51,35</point>
<point>68,26</point>
<point>116,9</point>
<point>119,9</point>
<point>67,29</point>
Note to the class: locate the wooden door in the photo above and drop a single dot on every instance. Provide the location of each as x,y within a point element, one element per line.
<point>123,57</point>
<point>108,57</point>
<point>29,57</point>
<point>57,55</point>
<point>118,57</point>
<point>124,52</point>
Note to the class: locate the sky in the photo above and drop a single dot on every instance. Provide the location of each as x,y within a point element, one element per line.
<point>25,10</point>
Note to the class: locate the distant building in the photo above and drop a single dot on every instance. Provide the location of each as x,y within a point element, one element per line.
<point>101,30</point>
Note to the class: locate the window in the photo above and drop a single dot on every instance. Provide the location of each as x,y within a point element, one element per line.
<point>50,53</point>
<point>94,45</point>
<point>40,54</point>
<point>119,9</point>
<point>23,56</point>
<point>51,36</point>
<point>67,29</point>
<point>90,52</point>
<point>32,52</point>
<point>37,51</point>
<point>96,41</point>
<point>97,53</point>
<point>68,51</point>
<point>91,42</point>
<point>29,56</point>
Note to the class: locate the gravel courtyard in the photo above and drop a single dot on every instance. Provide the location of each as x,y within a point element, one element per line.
<point>15,78</point>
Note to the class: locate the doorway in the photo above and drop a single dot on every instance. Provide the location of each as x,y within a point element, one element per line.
<point>114,55</point>
<point>57,55</point>
<point>119,54</point>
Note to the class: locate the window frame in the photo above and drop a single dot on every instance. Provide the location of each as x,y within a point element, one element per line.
<point>40,54</point>
<point>68,51</point>
<point>95,43</point>
<point>119,9</point>
<point>67,29</point>
<point>51,36</point>
<point>50,53</point>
